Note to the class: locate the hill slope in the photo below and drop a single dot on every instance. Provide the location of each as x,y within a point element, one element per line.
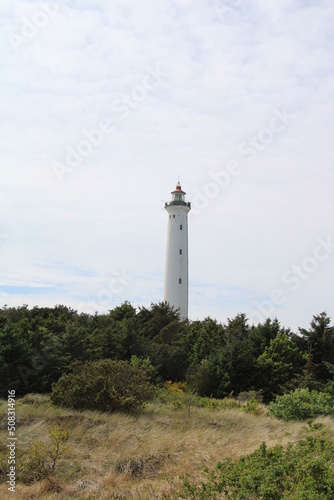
<point>137,456</point>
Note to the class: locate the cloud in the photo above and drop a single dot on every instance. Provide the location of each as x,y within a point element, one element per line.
<point>228,67</point>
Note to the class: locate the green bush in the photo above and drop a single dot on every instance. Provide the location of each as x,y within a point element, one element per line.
<point>3,463</point>
<point>104,385</point>
<point>301,472</point>
<point>252,406</point>
<point>42,458</point>
<point>145,365</point>
<point>302,404</point>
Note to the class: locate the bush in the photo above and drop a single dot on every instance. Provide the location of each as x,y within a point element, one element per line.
<point>145,365</point>
<point>42,458</point>
<point>304,471</point>
<point>252,406</point>
<point>104,385</point>
<point>302,404</point>
<point>3,463</point>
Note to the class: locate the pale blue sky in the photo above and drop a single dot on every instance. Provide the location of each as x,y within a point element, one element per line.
<point>106,104</point>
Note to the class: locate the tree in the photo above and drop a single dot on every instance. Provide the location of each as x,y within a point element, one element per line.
<point>261,335</point>
<point>124,311</point>
<point>209,378</point>
<point>279,366</point>
<point>15,353</point>
<point>208,336</point>
<point>319,340</point>
<point>151,321</point>
<point>237,360</point>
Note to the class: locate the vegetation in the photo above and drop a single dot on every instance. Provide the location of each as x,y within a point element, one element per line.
<point>40,345</point>
<point>104,386</point>
<point>302,404</point>
<point>232,394</point>
<point>302,471</point>
<point>145,455</point>
<point>41,459</point>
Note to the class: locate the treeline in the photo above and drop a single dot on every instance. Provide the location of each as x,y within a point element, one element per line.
<point>38,345</point>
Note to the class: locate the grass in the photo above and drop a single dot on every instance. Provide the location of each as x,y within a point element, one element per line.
<point>118,456</point>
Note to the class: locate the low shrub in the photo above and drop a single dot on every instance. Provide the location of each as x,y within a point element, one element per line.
<point>145,365</point>
<point>246,396</point>
<point>3,463</point>
<point>42,458</point>
<point>104,385</point>
<point>252,406</point>
<point>302,404</point>
<point>179,395</point>
<point>304,471</point>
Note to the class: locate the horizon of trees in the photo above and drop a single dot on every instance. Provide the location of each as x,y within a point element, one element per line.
<point>38,345</point>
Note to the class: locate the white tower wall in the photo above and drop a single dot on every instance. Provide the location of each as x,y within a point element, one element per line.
<point>176,264</point>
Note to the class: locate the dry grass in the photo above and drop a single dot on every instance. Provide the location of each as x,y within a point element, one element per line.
<point>139,457</point>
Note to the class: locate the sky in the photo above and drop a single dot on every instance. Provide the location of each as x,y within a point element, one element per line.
<point>105,105</point>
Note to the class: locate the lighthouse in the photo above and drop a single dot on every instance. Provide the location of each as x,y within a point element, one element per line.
<point>176,265</point>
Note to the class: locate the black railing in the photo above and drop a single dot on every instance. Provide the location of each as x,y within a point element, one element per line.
<point>178,202</point>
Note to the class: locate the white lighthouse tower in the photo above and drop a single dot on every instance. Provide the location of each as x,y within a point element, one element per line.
<point>176,265</point>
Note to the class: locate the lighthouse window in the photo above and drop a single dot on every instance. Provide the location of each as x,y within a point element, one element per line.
<point>170,216</point>
<point>173,216</point>
<point>180,281</point>
<point>180,251</point>
<point>181,227</point>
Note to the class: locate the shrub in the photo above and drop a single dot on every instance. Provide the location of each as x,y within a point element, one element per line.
<point>251,402</point>
<point>302,404</point>
<point>252,406</point>
<point>104,385</point>
<point>3,463</point>
<point>42,458</point>
<point>304,471</point>
<point>179,396</point>
<point>246,396</point>
<point>145,365</point>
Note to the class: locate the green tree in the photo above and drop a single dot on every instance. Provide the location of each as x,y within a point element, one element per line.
<point>208,378</point>
<point>150,322</point>
<point>236,357</point>
<point>15,352</point>
<point>145,365</point>
<point>124,311</point>
<point>208,337</point>
<point>279,366</point>
<point>319,341</point>
<point>262,334</point>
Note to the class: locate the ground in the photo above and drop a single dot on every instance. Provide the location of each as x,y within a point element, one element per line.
<point>143,456</point>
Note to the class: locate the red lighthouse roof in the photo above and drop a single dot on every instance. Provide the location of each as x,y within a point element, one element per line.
<point>178,189</point>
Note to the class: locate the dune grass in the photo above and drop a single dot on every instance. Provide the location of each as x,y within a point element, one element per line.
<point>143,456</point>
